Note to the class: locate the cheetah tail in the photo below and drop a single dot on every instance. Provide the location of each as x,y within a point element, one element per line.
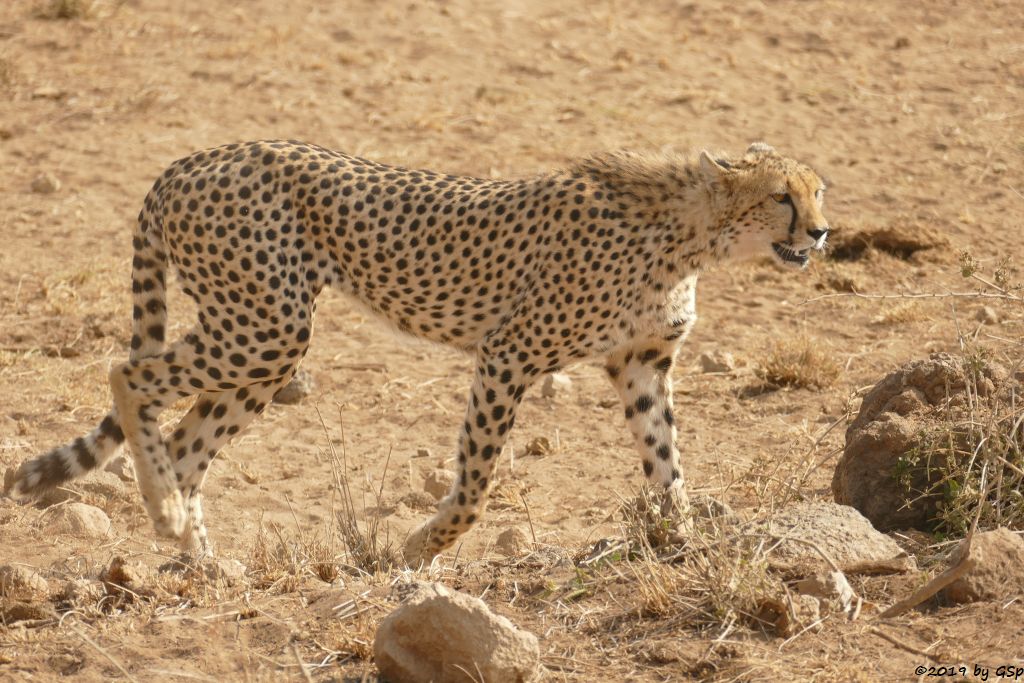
<point>69,461</point>
<point>149,317</point>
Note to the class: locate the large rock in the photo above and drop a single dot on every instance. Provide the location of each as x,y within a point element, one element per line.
<point>841,532</point>
<point>877,474</point>
<point>998,573</point>
<point>442,636</point>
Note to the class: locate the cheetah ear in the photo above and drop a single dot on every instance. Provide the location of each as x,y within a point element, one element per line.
<point>760,148</point>
<point>713,169</point>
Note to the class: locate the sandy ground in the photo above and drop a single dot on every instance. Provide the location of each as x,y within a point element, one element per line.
<point>913,110</point>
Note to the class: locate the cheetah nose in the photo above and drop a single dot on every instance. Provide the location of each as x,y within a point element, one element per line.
<point>818,233</point>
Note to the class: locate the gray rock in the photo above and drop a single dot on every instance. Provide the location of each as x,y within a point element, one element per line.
<point>841,532</point>
<point>442,636</point>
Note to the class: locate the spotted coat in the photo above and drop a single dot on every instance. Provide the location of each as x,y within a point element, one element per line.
<point>599,260</point>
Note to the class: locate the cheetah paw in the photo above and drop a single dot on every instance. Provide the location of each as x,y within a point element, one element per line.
<point>417,551</point>
<point>169,515</point>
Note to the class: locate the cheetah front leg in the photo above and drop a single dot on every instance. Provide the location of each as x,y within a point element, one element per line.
<point>497,390</point>
<point>641,373</point>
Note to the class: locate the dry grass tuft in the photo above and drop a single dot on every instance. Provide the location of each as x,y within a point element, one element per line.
<point>801,362</point>
<point>900,314</point>
<point>279,563</point>
<point>718,578</point>
<point>368,550</point>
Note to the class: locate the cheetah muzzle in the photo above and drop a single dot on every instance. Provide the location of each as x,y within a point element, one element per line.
<point>791,256</point>
<point>597,260</point>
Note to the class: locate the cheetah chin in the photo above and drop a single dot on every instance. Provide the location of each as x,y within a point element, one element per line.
<point>789,255</point>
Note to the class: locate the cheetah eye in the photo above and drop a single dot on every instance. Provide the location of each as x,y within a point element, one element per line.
<point>780,197</point>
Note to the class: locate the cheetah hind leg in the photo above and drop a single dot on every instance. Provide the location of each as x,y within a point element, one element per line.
<point>155,476</point>
<point>215,419</point>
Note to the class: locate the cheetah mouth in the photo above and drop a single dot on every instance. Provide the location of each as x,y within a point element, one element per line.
<point>788,254</point>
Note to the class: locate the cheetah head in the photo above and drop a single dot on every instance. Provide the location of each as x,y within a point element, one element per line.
<point>772,205</point>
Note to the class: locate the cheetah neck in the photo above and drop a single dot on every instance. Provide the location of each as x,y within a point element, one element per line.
<point>680,216</point>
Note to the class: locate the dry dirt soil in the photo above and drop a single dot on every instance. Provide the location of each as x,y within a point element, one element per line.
<point>913,110</point>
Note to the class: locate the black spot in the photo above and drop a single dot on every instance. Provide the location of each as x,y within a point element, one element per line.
<point>86,460</point>
<point>644,403</point>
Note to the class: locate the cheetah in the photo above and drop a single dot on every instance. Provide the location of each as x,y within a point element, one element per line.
<point>599,260</point>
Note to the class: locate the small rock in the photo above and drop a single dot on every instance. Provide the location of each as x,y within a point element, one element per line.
<point>78,519</point>
<point>717,361</point>
<point>45,183</point>
<point>540,446</point>
<point>301,386</point>
<point>48,92</point>
<point>82,591</point>
<point>438,483</point>
<point>226,570</point>
<point>122,467</point>
<point>704,506</point>
<point>998,573</point>
<point>554,384</point>
<point>419,500</point>
<point>22,583</point>
<point>438,635</point>
<point>422,453</point>
<point>789,614</point>
<point>512,542</point>
<point>126,578</point>
<point>832,590</point>
<point>987,315</point>
<point>9,475</point>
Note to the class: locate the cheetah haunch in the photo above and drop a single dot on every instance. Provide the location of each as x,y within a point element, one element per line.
<point>598,260</point>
